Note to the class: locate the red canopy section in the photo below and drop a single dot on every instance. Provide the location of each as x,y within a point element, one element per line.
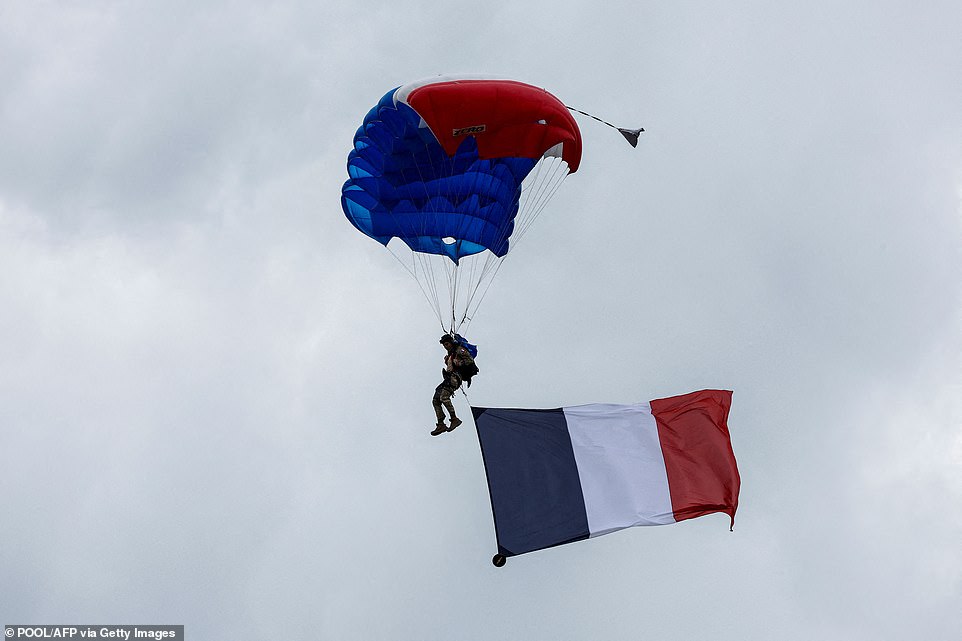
<point>507,118</point>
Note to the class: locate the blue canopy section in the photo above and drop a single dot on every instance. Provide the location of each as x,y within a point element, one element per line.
<point>402,184</point>
<point>533,478</point>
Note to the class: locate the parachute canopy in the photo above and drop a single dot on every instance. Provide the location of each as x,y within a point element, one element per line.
<point>440,163</point>
<point>448,173</point>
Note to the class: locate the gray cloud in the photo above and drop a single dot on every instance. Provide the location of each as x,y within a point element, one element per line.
<point>216,392</point>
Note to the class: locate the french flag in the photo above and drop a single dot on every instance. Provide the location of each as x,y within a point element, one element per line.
<point>561,475</point>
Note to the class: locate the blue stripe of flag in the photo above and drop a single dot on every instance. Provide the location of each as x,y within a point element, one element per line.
<point>533,478</point>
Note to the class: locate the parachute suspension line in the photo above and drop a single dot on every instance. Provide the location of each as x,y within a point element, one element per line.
<point>470,264</point>
<point>468,281</point>
<point>454,294</point>
<point>421,272</point>
<point>480,270</point>
<point>544,195</point>
<point>424,284</point>
<point>420,268</point>
<point>487,280</point>
<point>455,273</point>
<point>428,282</point>
<point>431,282</point>
<point>421,285</point>
<point>466,271</point>
<point>429,277</point>
<point>449,271</point>
<point>538,189</point>
<point>491,262</point>
<point>631,135</point>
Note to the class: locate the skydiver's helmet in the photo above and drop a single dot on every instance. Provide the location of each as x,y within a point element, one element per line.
<point>447,338</point>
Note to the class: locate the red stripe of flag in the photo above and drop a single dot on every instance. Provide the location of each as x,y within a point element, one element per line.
<point>702,473</point>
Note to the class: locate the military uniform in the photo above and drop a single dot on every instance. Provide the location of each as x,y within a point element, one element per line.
<point>450,384</point>
<point>456,357</point>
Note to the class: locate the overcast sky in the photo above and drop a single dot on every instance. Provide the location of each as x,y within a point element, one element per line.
<point>215,393</point>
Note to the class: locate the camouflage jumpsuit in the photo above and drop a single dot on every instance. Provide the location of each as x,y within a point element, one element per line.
<point>451,382</point>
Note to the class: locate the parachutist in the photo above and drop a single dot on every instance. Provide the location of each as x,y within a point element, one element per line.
<point>458,365</point>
